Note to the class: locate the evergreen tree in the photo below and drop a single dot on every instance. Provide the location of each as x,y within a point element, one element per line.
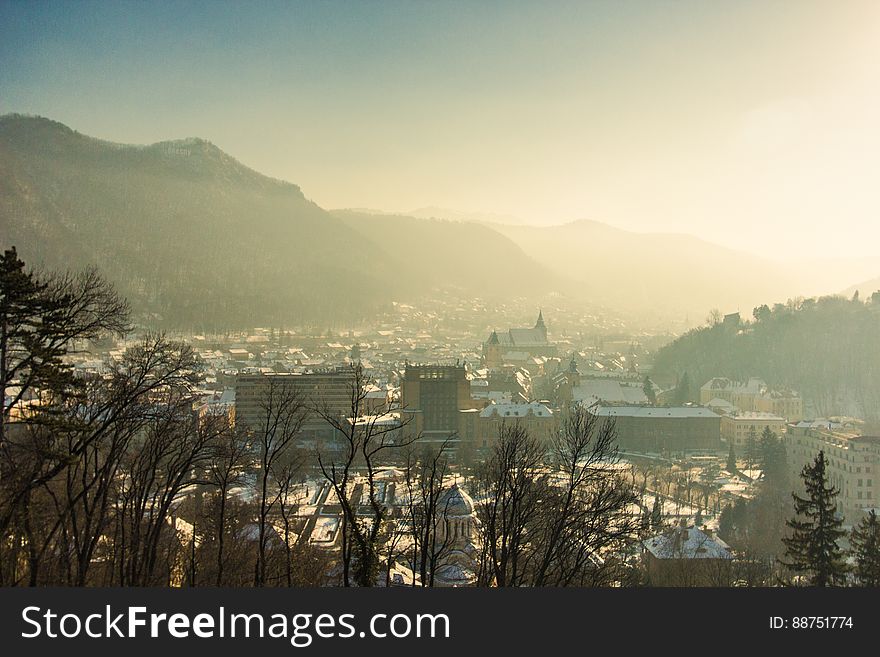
<point>683,389</point>
<point>648,388</point>
<point>751,449</point>
<point>772,454</point>
<point>731,460</point>
<point>657,513</point>
<point>40,320</point>
<point>865,540</point>
<point>812,548</point>
<point>725,523</point>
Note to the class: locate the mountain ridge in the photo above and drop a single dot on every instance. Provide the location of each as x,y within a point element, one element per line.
<point>195,238</point>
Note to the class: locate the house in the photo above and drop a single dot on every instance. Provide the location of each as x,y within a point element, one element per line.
<point>687,556</point>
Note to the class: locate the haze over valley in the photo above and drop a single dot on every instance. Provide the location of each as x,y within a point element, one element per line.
<point>196,239</point>
<point>410,293</point>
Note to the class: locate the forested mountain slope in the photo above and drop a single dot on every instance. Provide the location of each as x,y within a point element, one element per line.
<point>825,348</point>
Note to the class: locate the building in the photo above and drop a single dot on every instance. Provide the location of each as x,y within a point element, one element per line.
<point>484,426</point>
<point>529,342</point>
<point>742,395</point>
<point>752,396</point>
<point>431,397</point>
<point>649,429</point>
<point>784,404</point>
<point>327,392</point>
<point>687,556</point>
<point>736,429</point>
<point>456,539</point>
<point>852,462</point>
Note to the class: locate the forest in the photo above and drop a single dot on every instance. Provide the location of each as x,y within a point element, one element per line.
<point>825,348</point>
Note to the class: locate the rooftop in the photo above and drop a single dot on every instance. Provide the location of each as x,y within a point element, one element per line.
<point>655,411</point>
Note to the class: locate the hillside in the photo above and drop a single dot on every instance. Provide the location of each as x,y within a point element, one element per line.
<point>196,239</point>
<point>865,288</point>
<point>825,348</point>
<point>679,273</point>
<point>454,254</point>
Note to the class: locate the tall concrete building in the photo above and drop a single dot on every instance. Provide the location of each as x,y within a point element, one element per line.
<point>852,463</point>
<point>328,391</point>
<point>432,397</point>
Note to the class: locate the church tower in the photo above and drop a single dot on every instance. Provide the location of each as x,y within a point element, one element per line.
<point>540,324</point>
<point>492,352</point>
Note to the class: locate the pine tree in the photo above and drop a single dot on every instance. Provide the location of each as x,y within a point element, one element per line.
<point>772,455</point>
<point>865,540</point>
<point>725,523</point>
<point>657,513</point>
<point>751,449</point>
<point>648,389</point>
<point>40,320</point>
<point>683,389</point>
<point>731,460</point>
<point>812,548</point>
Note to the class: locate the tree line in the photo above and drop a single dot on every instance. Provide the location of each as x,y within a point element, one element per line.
<point>825,348</point>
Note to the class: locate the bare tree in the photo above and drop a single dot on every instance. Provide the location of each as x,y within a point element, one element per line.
<point>561,517</point>
<point>73,462</point>
<point>230,461</point>
<point>425,472</point>
<point>511,485</point>
<point>361,441</point>
<point>283,411</point>
<point>42,318</point>
<point>590,504</point>
<point>286,473</point>
<point>159,473</point>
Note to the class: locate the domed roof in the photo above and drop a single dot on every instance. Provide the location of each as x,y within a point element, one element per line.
<point>455,575</point>
<point>391,474</point>
<point>455,502</point>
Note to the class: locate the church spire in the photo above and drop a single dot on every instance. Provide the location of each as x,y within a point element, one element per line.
<point>540,323</point>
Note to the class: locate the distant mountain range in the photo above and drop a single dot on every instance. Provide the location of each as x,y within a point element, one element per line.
<point>197,240</point>
<point>628,270</point>
<point>865,288</point>
<point>194,238</point>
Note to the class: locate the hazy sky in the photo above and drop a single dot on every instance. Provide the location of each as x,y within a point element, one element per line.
<point>754,124</point>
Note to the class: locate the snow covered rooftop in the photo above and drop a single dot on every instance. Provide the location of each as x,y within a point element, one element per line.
<point>687,543</point>
<point>657,412</point>
<point>516,410</point>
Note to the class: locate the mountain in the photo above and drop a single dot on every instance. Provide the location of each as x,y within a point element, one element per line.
<point>433,212</point>
<point>678,273</point>
<point>865,288</point>
<point>456,254</point>
<point>196,239</point>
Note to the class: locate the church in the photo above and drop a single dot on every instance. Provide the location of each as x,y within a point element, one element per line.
<point>531,341</point>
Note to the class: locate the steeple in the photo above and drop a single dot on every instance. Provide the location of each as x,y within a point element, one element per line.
<point>540,323</point>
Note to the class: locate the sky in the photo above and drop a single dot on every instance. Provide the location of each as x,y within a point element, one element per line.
<point>749,123</point>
